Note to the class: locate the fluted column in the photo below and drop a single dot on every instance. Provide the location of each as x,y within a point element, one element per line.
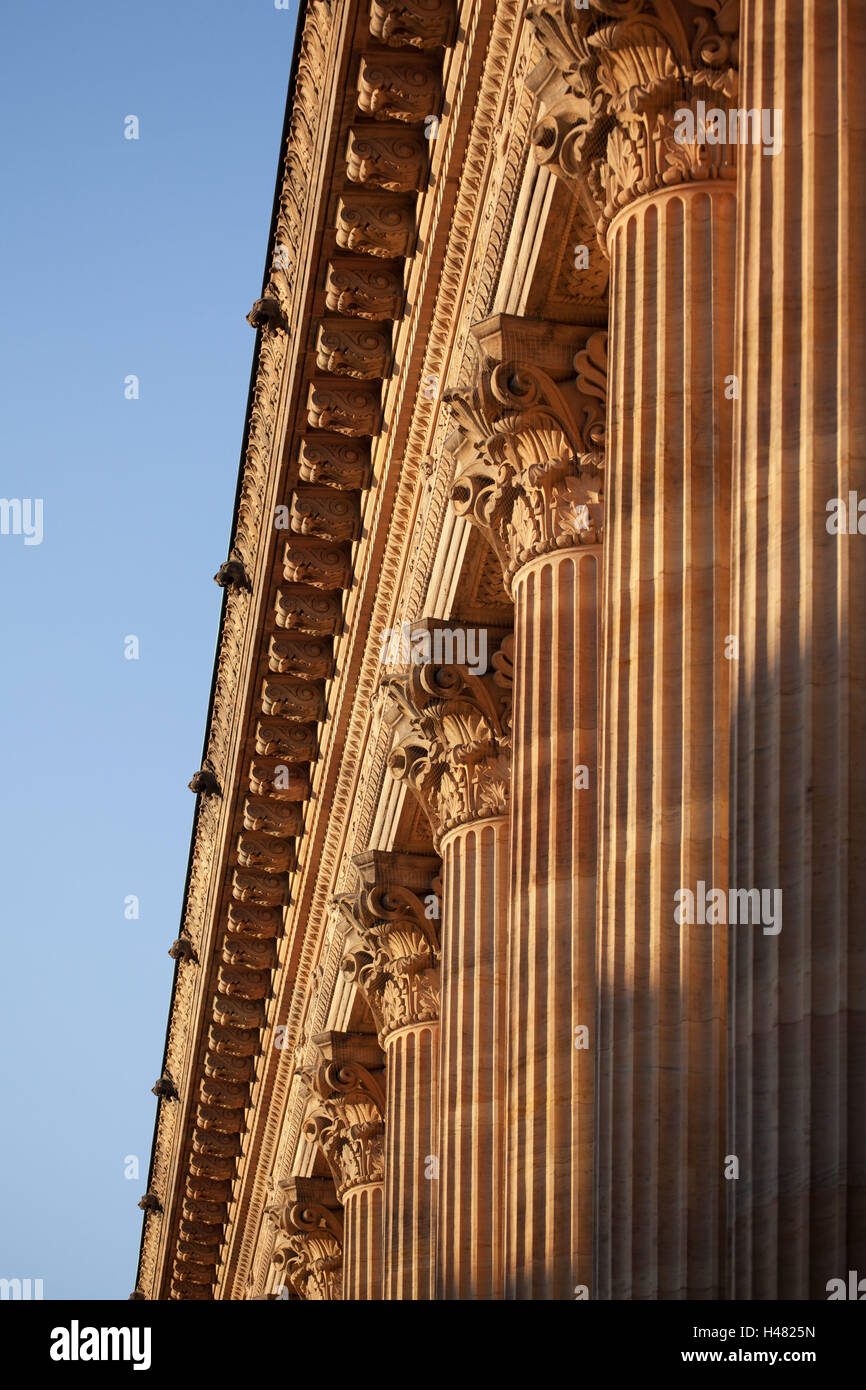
<point>452,746</point>
<point>347,1121</point>
<point>551,974</point>
<point>393,954</point>
<point>632,77</point>
<point>533,421</point>
<point>472,1103</point>
<point>664,801</point>
<point>797,1114</point>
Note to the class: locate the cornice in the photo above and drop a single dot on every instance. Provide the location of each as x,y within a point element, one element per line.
<point>438,275</point>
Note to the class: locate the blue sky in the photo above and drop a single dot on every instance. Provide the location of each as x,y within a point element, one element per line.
<point>119,257</point>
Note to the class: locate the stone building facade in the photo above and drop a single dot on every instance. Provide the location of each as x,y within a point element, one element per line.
<point>522,950</point>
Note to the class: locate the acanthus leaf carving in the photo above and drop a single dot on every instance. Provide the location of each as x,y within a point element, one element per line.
<point>397,87</point>
<point>323,566</point>
<point>394,160</point>
<point>254,920</point>
<point>270,814</point>
<point>348,348</point>
<point>413,23</point>
<point>347,1119</point>
<point>627,67</point>
<point>376,224</point>
<point>309,1248</point>
<point>326,513</point>
<point>309,658</point>
<point>395,953</point>
<point>452,741</point>
<point>293,699</point>
<point>335,463</point>
<point>257,851</point>
<point>349,409</point>
<point>303,608</point>
<point>260,890</point>
<point>287,741</point>
<point>532,475</point>
<point>364,291</point>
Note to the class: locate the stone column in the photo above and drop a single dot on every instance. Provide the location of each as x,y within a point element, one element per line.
<point>797,1113</point>
<point>472,1103</point>
<point>533,422</point>
<point>452,747</point>
<point>347,1121</point>
<point>393,955</point>
<point>630,78</point>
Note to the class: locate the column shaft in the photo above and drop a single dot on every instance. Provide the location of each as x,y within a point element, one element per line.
<point>797,1116</point>
<point>551,945</point>
<point>471,1116</point>
<point>362,1248</point>
<point>410,1161</point>
<point>664,757</point>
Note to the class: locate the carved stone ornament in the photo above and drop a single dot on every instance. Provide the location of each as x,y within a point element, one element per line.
<point>316,563</point>
<point>398,87</point>
<point>334,462</point>
<point>347,1119</point>
<point>393,952</point>
<point>248,919</point>
<point>279,780</point>
<point>531,476</point>
<point>413,23</point>
<point>326,513</point>
<point>258,851</point>
<point>391,159</point>
<point>283,739</point>
<point>310,658</point>
<point>293,699</point>
<point>364,290</point>
<point>308,1252</point>
<point>348,348</point>
<point>272,816</point>
<point>267,313</point>
<point>348,408</point>
<point>376,224</point>
<point>301,608</point>
<point>452,739</point>
<point>627,68</point>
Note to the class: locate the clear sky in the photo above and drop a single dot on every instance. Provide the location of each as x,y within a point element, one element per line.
<point>119,257</point>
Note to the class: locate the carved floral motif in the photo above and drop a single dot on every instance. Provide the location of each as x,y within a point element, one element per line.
<point>394,952</point>
<point>397,87</point>
<point>452,741</point>
<point>347,1120</point>
<point>376,224</point>
<point>365,292</point>
<point>627,66</point>
<point>394,160</point>
<point>533,481</point>
<point>412,23</point>
<point>309,1250</point>
<point>304,609</point>
<point>360,350</point>
<point>334,463</point>
<point>348,409</point>
<point>307,657</point>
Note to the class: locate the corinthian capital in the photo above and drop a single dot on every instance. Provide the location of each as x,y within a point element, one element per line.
<point>308,1253</point>
<point>625,69</point>
<point>452,732</point>
<point>393,948</point>
<point>347,1119</point>
<point>531,451</point>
